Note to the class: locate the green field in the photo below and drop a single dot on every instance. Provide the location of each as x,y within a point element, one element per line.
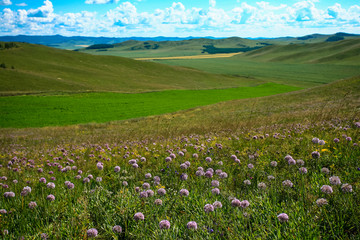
<point>34,68</point>
<point>140,49</point>
<point>302,75</point>
<point>55,110</point>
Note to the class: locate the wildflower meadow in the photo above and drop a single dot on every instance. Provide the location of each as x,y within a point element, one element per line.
<point>299,182</point>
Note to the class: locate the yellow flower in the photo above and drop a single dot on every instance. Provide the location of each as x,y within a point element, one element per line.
<point>325,150</point>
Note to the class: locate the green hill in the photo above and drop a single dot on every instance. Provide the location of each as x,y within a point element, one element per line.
<point>36,68</point>
<point>133,48</point>
<point>339,52</point>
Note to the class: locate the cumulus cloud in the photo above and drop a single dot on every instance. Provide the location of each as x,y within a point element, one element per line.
<point>100,1</point>
<point>45,11</point>
<point>256,19</point>
<point>21,4</point>
<point>5,2</point>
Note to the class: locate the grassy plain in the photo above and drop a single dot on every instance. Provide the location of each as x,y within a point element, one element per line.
<point>241,137</point>
<point>55,110</point>
<point>43,69</point>
<point>218,131</point>
<point>301,75</point>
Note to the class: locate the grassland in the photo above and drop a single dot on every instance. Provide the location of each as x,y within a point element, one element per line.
<point>152,49</point>
<point>57,110</point>
<point>43,69</point>
<point>239,138</point>
<point>63,182</point>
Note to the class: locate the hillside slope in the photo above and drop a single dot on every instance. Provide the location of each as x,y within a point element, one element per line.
<point>339,52</point>
<point>190,47</point>
<point>36,68</point>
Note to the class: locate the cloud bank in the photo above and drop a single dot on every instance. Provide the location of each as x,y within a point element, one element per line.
<point>246,20</point>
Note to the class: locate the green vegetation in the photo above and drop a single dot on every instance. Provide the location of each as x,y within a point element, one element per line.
<point>301,75</point>
<point>345,52</point>
<point>214,50</point>
<point>218,131</point>
<point>44,69</point>
<point>303,65</point>
<point>39,111</point>
<point>7,45</point>
<point>136,49</point>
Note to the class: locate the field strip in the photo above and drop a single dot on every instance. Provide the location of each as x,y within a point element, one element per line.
<point>220,55</point>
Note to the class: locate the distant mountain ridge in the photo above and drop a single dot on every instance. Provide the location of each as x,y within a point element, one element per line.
<point>75,42</point>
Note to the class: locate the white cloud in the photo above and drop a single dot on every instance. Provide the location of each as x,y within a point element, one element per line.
<point>43,13</point>
<point>21,4</point>
<point>257,19</point>
<point>100,1</point>
<point>5,2</point>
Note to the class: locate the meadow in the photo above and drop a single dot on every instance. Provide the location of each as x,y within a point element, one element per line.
<point>260,161</point>
<point>67,109</point>
<point>298,182</point>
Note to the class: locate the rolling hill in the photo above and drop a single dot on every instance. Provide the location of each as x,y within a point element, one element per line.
<point>338,52</point>
<point>35,68</point>
<point>135,49</point>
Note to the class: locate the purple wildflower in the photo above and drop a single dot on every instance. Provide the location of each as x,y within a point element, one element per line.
<point>247,182</point>
<point>9,194</point>
<point>215,183</point>
<point>208,208</point>
<point>161,191</point>
<point>50,197</point>
<point>262,186</point>
<point>191,225</point>
<point>117,229</point>
<point>287,183</point>
<point>164,224</point>
<point>150,192</point>
<point>117,169</point>
<point>235,203</point>
<point>244,204</point>
<point>315,154</point>
<point>158,202</point>
<point>139,216</point>
<point>183,177</point>
<point>303,170</point>
<point>326,189</point>
<point>26,190</point>
<point>346,188</point>
<point>217,204</point>
<point>335,180</point>
<point>208,174</point>
<point>50,185</point>
<point>321,201</point>
<point>283,217</point>
<point>42,180</point>
<point>215,191</point>
<point>184,192</point>
<point>92,232</point>
<point>32,205</point>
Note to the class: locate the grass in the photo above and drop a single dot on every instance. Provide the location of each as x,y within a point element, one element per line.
<point>114,200</point>
<point>55,110</point>
<point>301,75</point>
<point>342,52</point>
<point>151,49</point>
<point>43,69</point>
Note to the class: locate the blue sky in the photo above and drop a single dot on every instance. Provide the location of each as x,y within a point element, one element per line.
<point>149,18</point>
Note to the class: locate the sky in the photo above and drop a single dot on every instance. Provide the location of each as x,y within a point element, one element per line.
<point>179,18</point>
